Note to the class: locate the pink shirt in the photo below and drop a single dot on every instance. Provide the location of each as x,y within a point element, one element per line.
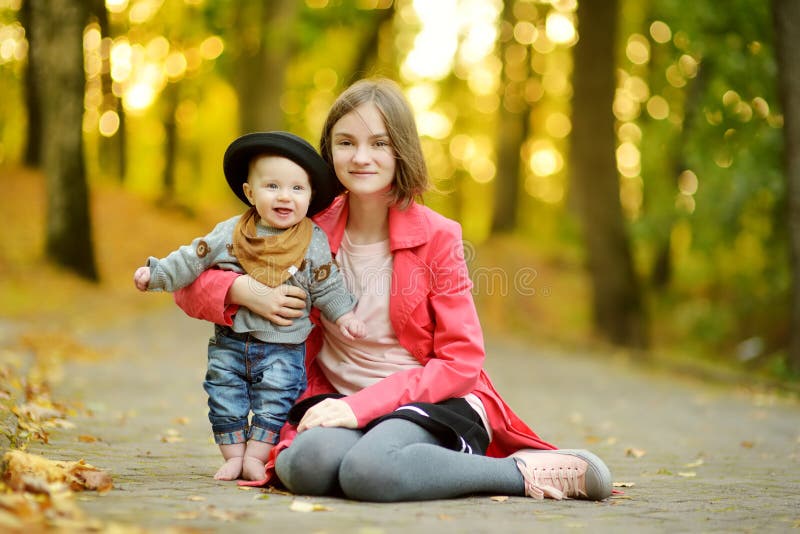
<point>352,365</point>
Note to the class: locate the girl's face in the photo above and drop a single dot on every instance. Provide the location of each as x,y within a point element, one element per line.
<point>280,190</point>
<point>362,153</point>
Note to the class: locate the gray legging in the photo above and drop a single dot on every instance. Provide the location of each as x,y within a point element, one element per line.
<point>396,461</point>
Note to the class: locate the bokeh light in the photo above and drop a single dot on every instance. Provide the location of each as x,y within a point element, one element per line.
<point>559,28</point>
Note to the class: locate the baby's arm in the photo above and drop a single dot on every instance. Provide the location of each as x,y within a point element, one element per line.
<point>182,266</point>
<point>350,326</point>
<point>141,278</point>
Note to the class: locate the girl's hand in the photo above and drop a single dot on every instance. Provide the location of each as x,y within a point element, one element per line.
<point>141,278</point>
<point>328,413</point>
<point>278,305</point>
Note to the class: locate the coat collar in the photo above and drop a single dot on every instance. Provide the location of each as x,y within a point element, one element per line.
<point>408,227</point>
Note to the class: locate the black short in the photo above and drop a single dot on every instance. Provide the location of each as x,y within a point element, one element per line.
<point>454,422</point>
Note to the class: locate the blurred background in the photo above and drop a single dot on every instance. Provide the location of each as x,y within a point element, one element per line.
<point>617,165</point>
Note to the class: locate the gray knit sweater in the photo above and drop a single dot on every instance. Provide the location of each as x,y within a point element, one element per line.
<point>320,279</point>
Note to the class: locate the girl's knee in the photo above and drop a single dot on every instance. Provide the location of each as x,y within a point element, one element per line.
<point>375,478</point>
<point>310,466</point>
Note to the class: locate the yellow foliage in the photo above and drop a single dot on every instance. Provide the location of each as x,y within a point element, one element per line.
<point>26,472</point>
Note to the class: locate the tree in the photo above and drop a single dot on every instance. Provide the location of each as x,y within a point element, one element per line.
<point>56,29</point>
<point>112,149</point>
<point>33,142</point>
<point>786,15</point>
<point>513,128</point>
<point>267,40</point>
<point>617,304</point>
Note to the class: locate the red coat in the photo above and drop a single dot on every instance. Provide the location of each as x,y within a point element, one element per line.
<point>432,313</point>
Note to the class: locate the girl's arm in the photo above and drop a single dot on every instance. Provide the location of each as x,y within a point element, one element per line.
<point>207,297</point>
<point>216,296</point>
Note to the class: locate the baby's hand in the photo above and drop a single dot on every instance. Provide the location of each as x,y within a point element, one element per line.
<point>141,278</point>
<point>351,327</point>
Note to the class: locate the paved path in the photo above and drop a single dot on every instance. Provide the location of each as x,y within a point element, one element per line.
<point>710,458</point>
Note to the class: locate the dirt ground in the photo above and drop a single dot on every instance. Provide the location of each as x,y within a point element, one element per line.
<point>693,456</point>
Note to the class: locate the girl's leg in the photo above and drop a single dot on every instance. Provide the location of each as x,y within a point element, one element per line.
<point>310,466</point>
<point>400,461</point>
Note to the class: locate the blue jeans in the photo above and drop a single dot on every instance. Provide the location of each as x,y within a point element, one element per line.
<point>246,374</point>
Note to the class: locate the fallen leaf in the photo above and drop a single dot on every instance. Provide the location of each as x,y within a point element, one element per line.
<point>24,470</point>
<point>687,474</point>
<point>62,423</point>
<point>623,484</point>
<point>635,453</point>
<point>664,471</point>
<point>245,488</point>
<point>188,514</point>
<point>181,420</point>
<point>276,491</point>
<point>227,515</point>
<point>171,435</point>
<point>305,506</point>
<point>747,444</point>
<point>86,438</point>
<point>196,498</point>
<point>445,517</point>
<point>499,498</point>
<point>696,463</point>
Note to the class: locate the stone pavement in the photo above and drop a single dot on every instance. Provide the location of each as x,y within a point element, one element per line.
<point>701,457</point>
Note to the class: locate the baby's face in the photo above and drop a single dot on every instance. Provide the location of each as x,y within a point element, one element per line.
<point>279,189</point>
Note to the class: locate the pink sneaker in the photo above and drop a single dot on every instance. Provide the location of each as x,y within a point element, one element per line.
<point>563,473</point>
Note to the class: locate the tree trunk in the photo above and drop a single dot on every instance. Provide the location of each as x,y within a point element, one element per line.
<point>112,149</point>
<point>512,131</point>
<point>662,267</point>
<point>618,313</point>
<point>33,108</point>
<point>268,29</point>
<point>171,98</point>
<point>57,44</point>
<point>786,15</point>
<point>368,51</point>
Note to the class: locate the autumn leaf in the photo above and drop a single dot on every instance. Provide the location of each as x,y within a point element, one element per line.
<point>305,506</point>
<point>623,484</point>
<point>171,436</point>
<point>499,498</point>
<point>635,453</point>
<point>29,472</point>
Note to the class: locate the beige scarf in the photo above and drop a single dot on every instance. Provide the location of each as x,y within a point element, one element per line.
<point>269,259</point>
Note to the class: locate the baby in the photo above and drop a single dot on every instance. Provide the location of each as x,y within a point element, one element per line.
<point>254,365</point>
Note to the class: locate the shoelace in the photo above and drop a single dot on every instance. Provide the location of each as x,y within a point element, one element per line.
<point>536,486</point>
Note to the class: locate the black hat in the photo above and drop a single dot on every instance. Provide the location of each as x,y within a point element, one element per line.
<point>236,164</point>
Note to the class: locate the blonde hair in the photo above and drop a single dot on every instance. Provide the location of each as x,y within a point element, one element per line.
<point>411,173</point>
